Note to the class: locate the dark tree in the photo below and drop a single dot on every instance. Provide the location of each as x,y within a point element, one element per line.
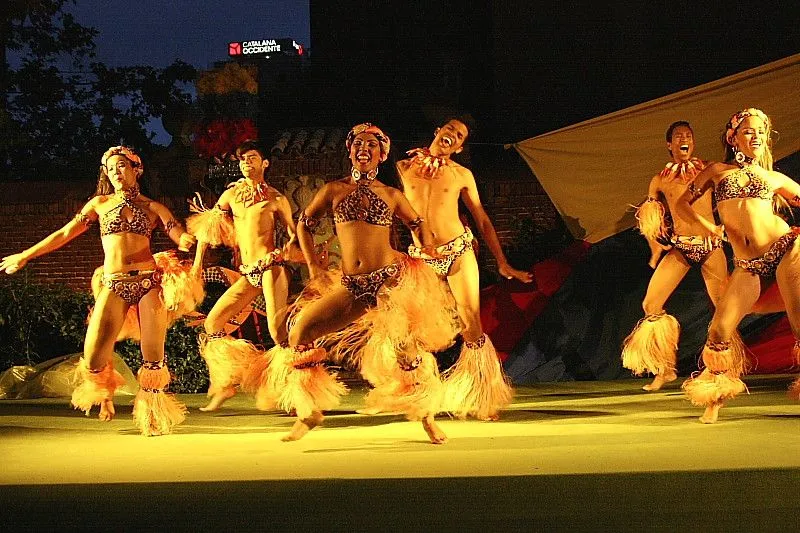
<point>60,110</point>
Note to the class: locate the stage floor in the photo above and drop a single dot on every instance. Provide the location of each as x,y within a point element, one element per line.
<point>594,455</point>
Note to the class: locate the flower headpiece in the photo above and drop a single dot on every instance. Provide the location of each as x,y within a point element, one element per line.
<point>127,153</point>
<point>367,127</point>
<point>737,119</point>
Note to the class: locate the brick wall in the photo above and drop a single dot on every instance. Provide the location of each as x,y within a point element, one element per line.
<point>510,201</point>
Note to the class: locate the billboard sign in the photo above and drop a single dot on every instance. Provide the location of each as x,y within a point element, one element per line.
<point>264,48</point>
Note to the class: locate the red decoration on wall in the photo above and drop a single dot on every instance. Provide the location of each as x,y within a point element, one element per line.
<point>220,137</point>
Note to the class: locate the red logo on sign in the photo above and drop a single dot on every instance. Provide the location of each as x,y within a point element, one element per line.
<point>234,49</point>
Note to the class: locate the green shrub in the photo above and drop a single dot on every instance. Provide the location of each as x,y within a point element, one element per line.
<point>183,357</point>
<point>42,321</point>
<point>39,322</point>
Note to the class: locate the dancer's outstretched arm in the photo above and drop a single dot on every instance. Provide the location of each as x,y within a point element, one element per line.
<point>72,229</point>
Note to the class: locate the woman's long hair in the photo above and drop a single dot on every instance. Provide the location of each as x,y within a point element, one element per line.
<point>104,186</point>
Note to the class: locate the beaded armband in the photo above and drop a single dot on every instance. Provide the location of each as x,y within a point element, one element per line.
<point>414,224</point>
<point>170,224</point>
<point>83,219</point>
<point>217,209</point>
<point>476,344</point>
<point>694,191</point>
<point>311,223</point>
<point>216,335</point>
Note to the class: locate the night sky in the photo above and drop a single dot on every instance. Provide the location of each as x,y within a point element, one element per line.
<point>157,32</point>
<point>561,63</point>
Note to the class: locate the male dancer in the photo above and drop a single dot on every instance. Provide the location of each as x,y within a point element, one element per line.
<point>243,218</point>
<point>653,344</point>
<point>434,183</point>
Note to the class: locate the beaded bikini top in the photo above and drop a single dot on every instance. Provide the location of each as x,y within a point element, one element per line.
<point>114,222</point>
<point>728,188</point>
<point>364,205</point>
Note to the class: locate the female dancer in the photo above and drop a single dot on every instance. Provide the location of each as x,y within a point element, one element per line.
<point>388,311</point>
<point>131,277</point>
<point>764,251</point>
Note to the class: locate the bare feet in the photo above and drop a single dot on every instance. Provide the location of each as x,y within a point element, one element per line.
<point>433,430</point>
<point>301,427</point>
<point>219,398</point>
<point>660,380</point>
<point>106,410</point>
<point>711,414</point>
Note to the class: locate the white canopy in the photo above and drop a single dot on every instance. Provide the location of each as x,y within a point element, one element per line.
<point>595,170</point>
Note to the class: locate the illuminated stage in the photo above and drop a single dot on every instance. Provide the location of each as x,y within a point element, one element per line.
<point>599,456</point>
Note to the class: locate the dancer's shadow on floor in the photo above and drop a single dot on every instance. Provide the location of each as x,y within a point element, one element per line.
<point>534,415</point>
<point>582,395</point>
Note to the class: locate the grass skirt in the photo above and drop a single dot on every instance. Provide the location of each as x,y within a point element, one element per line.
<point>94,387</point>
<point>720,380</point>
<point>309,386</point>
<point>228,360</point>
<point>155,411</point>
<point>652,346</point>
<point>476,385</point>
<point>180,292</point>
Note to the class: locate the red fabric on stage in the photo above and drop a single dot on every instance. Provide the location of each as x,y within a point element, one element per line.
<point>772,349</point>
<point>509,308</point>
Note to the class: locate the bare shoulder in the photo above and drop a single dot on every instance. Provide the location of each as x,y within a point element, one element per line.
<point>336,185</point>
<point>91,204</point>
<point>780,179</point>
<point>655,181</point>
<point>719,168</point>
<point>226,194</point>
<point>332,188</point>
<point>275,194</point>
<point>460,170</point>
<point>391,191</point>
<point>94,201</point>
<point>101,200</point>
<point>464,176</point>
<point>156,207</point>
<point>403,165</point>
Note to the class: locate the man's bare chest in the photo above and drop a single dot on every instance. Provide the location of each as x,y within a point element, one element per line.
<point>256,214</point>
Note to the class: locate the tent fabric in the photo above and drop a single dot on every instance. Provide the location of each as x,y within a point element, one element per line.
<point>595,170</point>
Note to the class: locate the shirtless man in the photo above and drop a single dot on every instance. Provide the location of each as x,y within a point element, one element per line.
<point>244,218</point>
<point>653,344</point>
<point>434,183</point>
